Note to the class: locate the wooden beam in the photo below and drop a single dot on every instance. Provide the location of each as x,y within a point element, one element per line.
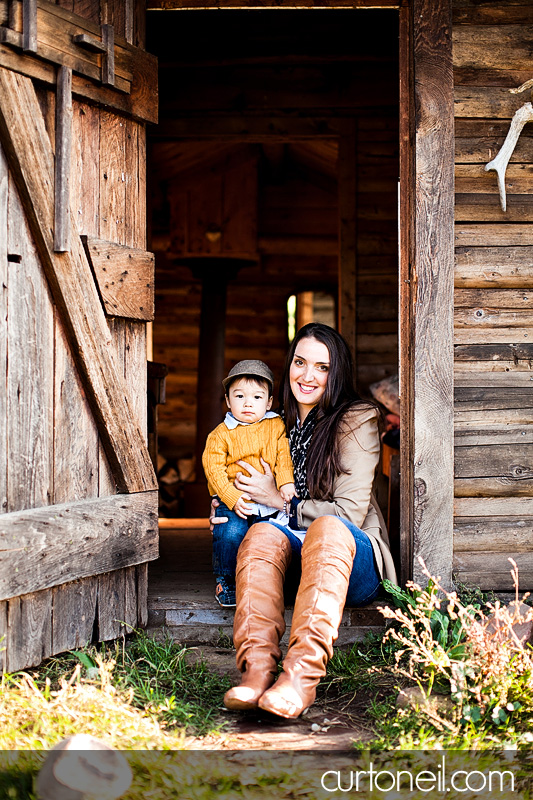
<point>347,199</point>
<point>125,278</point>
<point>298,245</point>
<point>405,300</point>
<point>169,5</point>
<point>432,287</point>
<point>62,160</point>
<point>29,26</point>
<point>30,157</point>
<point>239,127</point>
<point>52,545</point>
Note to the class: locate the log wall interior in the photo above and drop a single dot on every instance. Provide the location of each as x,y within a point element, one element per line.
<point>493,298</point>
<point>54,454</point>
<point>276,97</point>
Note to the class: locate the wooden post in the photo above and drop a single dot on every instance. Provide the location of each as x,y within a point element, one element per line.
<point>431,227</point>
<point>406,260</point>
<point>29,26</point>
<point>210,359</point>
<point>347,188</point>
<point>108,57</point>
<point>215,274</point>
<point>62,160</point>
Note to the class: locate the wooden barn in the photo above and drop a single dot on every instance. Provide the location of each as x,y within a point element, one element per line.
<point>288,160</point>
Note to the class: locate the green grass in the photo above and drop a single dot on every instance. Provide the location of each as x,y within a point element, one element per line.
<point>160,677</point>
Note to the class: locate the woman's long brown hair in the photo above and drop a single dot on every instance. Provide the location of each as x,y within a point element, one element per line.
<point>323,458</point>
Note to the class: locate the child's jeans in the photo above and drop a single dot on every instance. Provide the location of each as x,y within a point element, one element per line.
<point>227,537</point>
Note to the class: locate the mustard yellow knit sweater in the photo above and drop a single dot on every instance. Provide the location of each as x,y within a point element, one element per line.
<point>265,439</point>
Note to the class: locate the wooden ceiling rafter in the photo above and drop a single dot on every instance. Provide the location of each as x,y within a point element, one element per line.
<point>249,5</point>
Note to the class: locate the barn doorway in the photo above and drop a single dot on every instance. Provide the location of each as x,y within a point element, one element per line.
<point>277,147</point>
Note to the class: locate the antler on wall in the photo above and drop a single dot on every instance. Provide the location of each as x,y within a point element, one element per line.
<point>499,164</point>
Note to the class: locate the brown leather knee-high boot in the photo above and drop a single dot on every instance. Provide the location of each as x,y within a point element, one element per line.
<point>259,623</point>
<point>327,560</point>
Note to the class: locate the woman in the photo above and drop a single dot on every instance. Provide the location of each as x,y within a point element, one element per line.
<point>335,528</point>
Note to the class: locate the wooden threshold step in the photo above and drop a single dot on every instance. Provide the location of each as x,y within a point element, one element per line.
<point>185,607</point>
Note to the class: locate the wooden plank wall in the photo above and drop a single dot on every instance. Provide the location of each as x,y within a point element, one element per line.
<point>493,299</point>
<point>53,454</point>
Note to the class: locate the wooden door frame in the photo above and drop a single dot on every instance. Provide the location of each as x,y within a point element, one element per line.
<point>426,246</point>
<point>426,261</point>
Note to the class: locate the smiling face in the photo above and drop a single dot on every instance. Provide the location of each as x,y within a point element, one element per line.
<point>248,400</point>
<point>308,374</point>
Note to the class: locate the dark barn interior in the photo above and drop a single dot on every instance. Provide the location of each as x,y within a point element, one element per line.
<point>273,180</point>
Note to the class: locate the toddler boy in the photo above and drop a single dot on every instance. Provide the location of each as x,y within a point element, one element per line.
<point>250,432</point>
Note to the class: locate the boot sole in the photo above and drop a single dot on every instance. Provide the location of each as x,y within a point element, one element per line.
<point>266,706</point>
<point>234,704</point>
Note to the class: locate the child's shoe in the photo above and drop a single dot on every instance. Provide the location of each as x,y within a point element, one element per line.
<point>225,593</point>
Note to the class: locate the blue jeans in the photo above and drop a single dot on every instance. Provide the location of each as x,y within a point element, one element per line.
<point>365,579</point>
<point>227,537</point>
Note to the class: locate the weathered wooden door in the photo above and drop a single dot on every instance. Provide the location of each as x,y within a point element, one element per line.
<point>78,497</point>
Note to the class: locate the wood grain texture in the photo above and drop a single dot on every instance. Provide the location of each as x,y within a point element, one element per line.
<point>513,462</point>
<point>63,155</point>
<point>3,635</point>
<point>496,46</point>
<point>112,178</point>
<point>494,335</point>
<point>492,570</point>
<point>75,432</point>
<point>125,278</point>
<point>494,352</point>
<point>469,434</point>
<point>30,373</point>
<point>111,605</point>
<point>85,167</point>
<point>29,630</point>
<point>499,534</point>
<point>347,214</point>
<point>74,610</point>
<point>433,274</point>
<point>71,283</point>
<point>139,104</point>
<point>4,195</point>
<point>159,5</point>
<point>135,369</point>
<point>481,399</point>
<point>516,507</point>
<point>45,547</point>
<point>486,102</point>
<point>130,598</point>
<point>494,298</point>
<point>500,486</point>
<point>406,293</point>
<point>503,267</point>
<point>142,594</point>
<point>493,235</point>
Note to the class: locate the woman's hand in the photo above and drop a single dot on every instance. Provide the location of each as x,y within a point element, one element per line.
<point>260,487</point>
<point>212,519</point>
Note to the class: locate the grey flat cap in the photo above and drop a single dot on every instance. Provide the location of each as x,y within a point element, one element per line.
<point>252,367</point>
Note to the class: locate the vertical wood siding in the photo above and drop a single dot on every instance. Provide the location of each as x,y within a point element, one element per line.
<point>493,299</point>
<point>50,449</point>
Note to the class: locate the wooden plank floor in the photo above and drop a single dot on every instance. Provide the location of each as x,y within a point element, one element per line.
<point>181,590</point>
